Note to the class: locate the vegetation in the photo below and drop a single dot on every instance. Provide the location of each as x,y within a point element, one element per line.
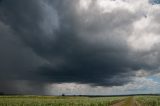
<point>78,101</point>
<point>57,101</point>
<point>149,100</point>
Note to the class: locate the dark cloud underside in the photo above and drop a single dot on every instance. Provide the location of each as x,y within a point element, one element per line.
<point>50,42</point>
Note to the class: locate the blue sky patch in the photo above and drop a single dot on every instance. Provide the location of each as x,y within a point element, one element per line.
<point>155,1</point>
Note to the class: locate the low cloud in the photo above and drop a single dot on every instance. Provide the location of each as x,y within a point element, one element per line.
<point>80,42</point>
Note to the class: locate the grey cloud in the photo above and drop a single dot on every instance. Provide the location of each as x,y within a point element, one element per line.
<point>21,87</point>
<point>32,21</point>
<point>155,1</point>
<point>51,42</point>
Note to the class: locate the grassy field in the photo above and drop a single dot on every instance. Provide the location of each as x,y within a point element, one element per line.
<point>149,100</point>
<point>57,101</point>
<point>79,101</point>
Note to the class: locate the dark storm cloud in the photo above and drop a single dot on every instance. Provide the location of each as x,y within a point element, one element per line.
<point>49,41</point>
<point>21,87</point>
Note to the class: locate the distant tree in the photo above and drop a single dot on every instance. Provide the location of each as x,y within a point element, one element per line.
<point>1,93</point>
<point>63,94</point>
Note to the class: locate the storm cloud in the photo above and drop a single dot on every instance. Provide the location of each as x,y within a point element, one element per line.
<point>93,42</point>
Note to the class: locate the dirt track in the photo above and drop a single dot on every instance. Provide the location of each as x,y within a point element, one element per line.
<point>130,101</point>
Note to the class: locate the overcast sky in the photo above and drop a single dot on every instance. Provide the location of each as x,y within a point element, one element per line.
<point>79,46</point>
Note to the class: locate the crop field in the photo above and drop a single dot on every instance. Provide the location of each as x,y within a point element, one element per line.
<point>57,101</point>
<point>79,101</point>
<point>149,100</point>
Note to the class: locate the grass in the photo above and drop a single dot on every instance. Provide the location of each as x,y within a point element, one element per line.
<point>76,101</point>
<point>56,101</point>
<point>149,100</point>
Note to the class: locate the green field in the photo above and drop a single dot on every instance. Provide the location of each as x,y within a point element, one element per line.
<point>79,101</point>
<point>57,101</point>
<point>149,100</point>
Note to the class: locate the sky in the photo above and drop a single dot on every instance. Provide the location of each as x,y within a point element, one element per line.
<point>79,47</point>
